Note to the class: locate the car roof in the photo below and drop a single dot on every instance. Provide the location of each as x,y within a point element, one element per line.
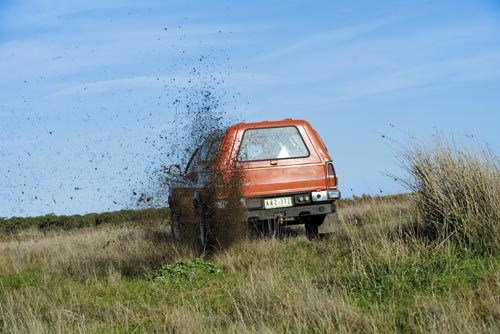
<point>268,124</point>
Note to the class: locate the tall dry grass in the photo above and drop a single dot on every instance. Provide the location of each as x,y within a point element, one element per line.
<point>131,251</point>
<point>457,194</point>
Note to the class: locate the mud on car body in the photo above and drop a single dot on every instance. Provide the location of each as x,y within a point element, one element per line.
<point>286,177</point>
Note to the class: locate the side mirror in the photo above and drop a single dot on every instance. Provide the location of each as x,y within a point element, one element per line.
<point>175,170</point>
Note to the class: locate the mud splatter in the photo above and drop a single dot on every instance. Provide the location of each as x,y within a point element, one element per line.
<point>200,107</point>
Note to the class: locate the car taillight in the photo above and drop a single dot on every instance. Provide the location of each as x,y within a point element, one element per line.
<point>330,175</point>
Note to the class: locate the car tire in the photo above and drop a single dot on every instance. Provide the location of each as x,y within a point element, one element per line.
<point>275,229</point>
<point>202,233</point>
<point>311,225</point>
<point>176,227</point>
<point>253,229</point>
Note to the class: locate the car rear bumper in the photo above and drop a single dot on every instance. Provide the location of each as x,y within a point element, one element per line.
<point>292,212</point>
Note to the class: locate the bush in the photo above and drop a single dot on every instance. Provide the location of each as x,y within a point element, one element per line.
<point>189,273</point>
<point>457,195</point>
<point>52,222</point>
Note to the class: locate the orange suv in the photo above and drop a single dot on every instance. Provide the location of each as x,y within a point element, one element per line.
<point>287,177</point>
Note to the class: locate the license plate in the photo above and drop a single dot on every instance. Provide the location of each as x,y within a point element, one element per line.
<point>280,202</point>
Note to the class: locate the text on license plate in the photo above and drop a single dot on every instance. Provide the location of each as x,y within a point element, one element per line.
<point>280,202</point>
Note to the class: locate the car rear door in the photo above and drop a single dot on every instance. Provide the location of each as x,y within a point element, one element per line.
<point>279,160</point>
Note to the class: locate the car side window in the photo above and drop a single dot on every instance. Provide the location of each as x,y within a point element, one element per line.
<point>209,150</point>
<point>199,163</point>
<point>204,155</point>
<point>192,161</point>
<point>204,151</point>
<point>214,149</point>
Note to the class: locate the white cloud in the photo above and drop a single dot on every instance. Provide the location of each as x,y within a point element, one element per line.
<point>329,37</point>
<point>151,81</point>
<point>431,75</point>
<point>96,87</point>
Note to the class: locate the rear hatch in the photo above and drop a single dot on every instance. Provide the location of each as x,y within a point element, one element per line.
<point>281,160</point>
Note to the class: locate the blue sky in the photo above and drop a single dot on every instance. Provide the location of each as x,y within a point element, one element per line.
<point>88,88</point>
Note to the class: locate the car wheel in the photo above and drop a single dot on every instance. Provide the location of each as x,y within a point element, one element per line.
<point>312,231</point>
<point>202,237</point>
<point>253,229</point>
<point>311,224</point>
<point>275,229</point>
<point>270,228</point>
<point>176,227</point>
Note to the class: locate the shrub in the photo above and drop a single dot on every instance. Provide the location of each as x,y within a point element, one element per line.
<point>189,273</point>
<point>457,194</point>
<point>53,222</point>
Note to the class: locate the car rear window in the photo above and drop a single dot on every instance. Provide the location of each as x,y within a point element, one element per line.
<point>272,144</point>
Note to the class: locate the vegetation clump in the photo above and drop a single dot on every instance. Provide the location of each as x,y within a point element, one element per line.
<point>457,195</point>
<point>52,222</point>
<point>189,273</point>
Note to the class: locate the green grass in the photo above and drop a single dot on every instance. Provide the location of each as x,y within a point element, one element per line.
<point>189,273</point>
<point>20,280</point>
<point>387,282</point>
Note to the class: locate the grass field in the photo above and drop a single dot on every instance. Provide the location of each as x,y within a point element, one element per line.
<point>395,264</point>
<point>370,276</point>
